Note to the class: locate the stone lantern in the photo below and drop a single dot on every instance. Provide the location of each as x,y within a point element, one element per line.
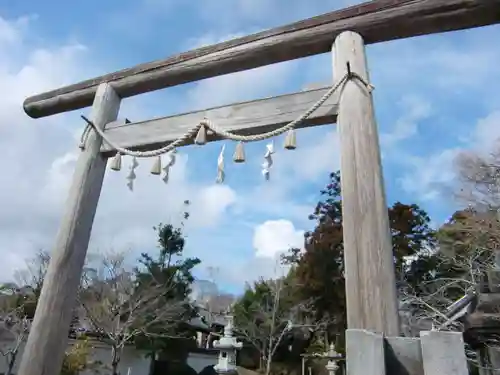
<point>227,346</point>
<point>332,366</point>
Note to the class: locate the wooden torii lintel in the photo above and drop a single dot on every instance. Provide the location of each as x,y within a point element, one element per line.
<point>369,274</point>
<point>246,118</point>
<point>377,21</point>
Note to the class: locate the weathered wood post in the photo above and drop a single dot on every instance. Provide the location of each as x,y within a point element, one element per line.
<point>369,265</point>
<point>48,337</point>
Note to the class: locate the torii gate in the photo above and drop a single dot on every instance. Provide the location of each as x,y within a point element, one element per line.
<point>371,295</point>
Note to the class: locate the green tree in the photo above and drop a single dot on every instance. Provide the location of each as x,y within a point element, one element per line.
<point>169,268</point>
<point>320,269</point>
<point>120,311</point>
<point>146,305</point>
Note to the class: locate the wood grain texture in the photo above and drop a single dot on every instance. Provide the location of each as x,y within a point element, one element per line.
<point>369,269</point>
<point>376,21</point>
<point>48,336</point>
<point>245,118</point>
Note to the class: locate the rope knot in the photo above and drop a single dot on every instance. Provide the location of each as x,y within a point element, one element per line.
<point>198,134</point>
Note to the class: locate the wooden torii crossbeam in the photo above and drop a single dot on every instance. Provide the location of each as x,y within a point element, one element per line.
<point>377,21</point>
<point>370,290</point>
<point>247,118</point>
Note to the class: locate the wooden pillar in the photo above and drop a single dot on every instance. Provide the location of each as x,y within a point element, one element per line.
<point>48,336</point>
<point>369,265</point>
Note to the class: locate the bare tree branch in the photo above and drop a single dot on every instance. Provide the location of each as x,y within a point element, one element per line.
<point>119,309</point>
<point>14,327</point>
<point>265,324</point>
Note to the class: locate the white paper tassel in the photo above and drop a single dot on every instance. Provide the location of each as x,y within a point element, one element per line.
<point>268,160</point>
<point>171,161</point>
<point>132,176</point>
<point>220,166</point>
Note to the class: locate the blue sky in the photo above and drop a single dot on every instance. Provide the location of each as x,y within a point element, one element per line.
<point>435,96</point>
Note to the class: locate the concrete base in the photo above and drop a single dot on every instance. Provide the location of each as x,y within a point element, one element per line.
<point>435,353</point>
<point>364,353</point>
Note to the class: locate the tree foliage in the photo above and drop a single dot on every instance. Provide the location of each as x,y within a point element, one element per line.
<point>119,310</point>
<point>320,268</point>
<point>147,305</point>
<point>168,268</point>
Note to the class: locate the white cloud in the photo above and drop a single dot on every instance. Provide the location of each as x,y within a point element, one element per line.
<point>312,160</point>
<point>315,158</point>
<point>414,109</point>
<point>38,158</point>
<point>215,199</point>
<point>271,239</point>
<point>455,63</point>
<point>274,237</point>
<point>431,176</point>
<point>27,216</point>
<point>59,177</point>
<point>486,133</point>
<point>446,80</point>
<point>240,273</point>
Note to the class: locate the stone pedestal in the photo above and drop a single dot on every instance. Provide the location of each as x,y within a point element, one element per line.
<point>434,353</point>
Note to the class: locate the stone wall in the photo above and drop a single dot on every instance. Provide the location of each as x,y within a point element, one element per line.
<point>434,353</point>
<point>133,362</point>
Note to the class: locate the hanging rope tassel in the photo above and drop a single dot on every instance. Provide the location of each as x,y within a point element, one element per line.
<point>205,129</point>
<point>290,140</point>
<point>116,163</point>
<point>171,162</point>
<point>268,160</point>
<point>201,137</point>
<point>132,176</point>
<point>239,153</point>
<point>156,168</point>
<point>220,167</point>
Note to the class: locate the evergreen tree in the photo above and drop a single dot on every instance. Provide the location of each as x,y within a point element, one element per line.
<point>170,269</point>
<point>320,268</point>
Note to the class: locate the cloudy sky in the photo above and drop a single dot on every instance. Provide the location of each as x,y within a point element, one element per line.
<point>435,95</point>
